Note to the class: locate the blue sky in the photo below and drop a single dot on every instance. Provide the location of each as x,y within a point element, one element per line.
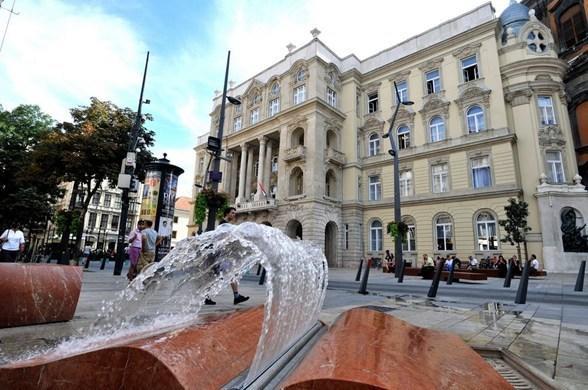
<point>59,53</point>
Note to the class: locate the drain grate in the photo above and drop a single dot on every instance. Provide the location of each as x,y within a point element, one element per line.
<point>510,374</point>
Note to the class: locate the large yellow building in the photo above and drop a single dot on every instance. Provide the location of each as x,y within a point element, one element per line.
<point>489,122</point>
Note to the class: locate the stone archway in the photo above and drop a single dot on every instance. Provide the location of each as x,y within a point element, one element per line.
<point>331,231</point>
<point>294,229</point>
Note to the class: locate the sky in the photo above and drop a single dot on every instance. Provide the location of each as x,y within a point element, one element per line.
<point>59,53</point>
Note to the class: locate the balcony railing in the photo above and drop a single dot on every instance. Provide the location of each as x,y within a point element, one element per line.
<point>295,153</point>
<point>257,205</point>
<point>335,156</point>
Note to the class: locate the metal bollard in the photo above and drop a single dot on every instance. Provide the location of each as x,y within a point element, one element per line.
<point>262,277</point>
<point>450,276</point>
<point>258,269</point>
<point>580,279</point>
<point>364,280</point>
<point>435,284</point>
<point>359,271</point>
<point>521,297</point>
<point>508,278</point>
<point>401,272</point>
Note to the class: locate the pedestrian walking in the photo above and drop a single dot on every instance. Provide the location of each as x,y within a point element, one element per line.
<point>136,242</point>
<point>13,243</point>
<point>150,241</point>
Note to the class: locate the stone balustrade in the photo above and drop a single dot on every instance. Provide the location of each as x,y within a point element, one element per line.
<point>257,205</point>
<point>295,153</point>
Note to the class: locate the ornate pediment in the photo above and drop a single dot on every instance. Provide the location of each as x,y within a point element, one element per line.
<point>467,50</point>
<point>372,87</point>
<point>404,115</point>
<point>372,123</point>
<point>518,97</point>
<point>551,136</point>
<point>434,104</point>
<point>333,123</point>
<point>473,94</point>
<point>297,121</point>
<point>253,92</point>
<point>431,64</point>
<point>399,76</point>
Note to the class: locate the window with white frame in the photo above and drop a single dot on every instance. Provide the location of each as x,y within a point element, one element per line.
<point>96,199</point>
<point>437,129</point>
<point>475,119</point>
<point>444,232</point>
<point>237,124</point>
<point>440,173</point>
<point>257,99</point>
<point>275,89</point>
<point>274,106</point>
<point>486,232</point>
<point>409,242</point>
<point>104,221</point>
<point>372,102</point>
<point>254,116</point>
<point>374,145</point>
<point>555,169</point>
<point>403,134</point>
<point>406,183</point>
<point>117,201</point>
<point>402,91</point>
<point>546,110</point>
<point>300,75</point>
<point>114,222</point>
<point>376,233</point>
<point>433,81</point>
<point>107,200</point>
<point>375,188</point>
<point>92,221</point>
<point>469,67</point>
<point>481,175</point>
<point>299,94</point>
<point>331,97</point>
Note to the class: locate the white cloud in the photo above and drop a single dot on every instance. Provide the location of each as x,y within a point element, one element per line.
<point>184,158</point>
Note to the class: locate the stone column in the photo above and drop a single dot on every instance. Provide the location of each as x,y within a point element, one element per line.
<point>268,168</point>
<point>242,171</point>
<point>248,175</point>
<point>260,171</point>
<point>283,176</point>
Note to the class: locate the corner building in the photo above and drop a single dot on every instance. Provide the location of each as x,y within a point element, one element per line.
<point>489,122</point>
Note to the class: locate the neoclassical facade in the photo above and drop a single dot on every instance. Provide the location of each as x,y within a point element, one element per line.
<point>489,122</point>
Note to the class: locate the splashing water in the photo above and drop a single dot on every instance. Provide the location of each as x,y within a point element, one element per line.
<point>197,267</point>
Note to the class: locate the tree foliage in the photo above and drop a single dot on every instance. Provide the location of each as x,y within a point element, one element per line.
<point>515,224</point>
<point>26,194</point>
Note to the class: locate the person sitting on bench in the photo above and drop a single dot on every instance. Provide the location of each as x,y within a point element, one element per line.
<point>534,269</point>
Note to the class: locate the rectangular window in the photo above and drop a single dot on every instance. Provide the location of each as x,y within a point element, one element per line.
<point>117,204</point>
<point>406,183</point>
<point>331,97</point>
<point>96,199</point>
<point>444,237</point>
<point>481,176</point>
<point>372,102</point>
<point>104,221</point>
<point>375,188</point>
<point>92,221</point>
<point>275,164</point>
<point>107,200</point>
<point>409,243</point>
<point>546,110</point>
<point>433,81</point>
<point>440,179</point>
<point>237,125</point>
<point>114,222</point>
<point>237,108</point>
<point>174,234</point>
<point>346,236</point>
<point>555,167</point>
<point>469,67</point>
<point>175,219</point>
<point>274,106</point>
<point>299,94</point>
<point>402,91</point>
<point>254,116</point>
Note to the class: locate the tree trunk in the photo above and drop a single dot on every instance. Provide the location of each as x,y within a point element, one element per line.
<point>519,251</point>
<point>65,247</point>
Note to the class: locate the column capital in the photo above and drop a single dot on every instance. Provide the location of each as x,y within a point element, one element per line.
<point>244,146</point>
<point>262,140</point>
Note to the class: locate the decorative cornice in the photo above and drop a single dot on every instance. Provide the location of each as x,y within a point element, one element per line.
<point>434,103</point>
<point>473,94</point>
<point>467,50</point>
<point>518,97</point>
<point>399,76</point>
<point>431,64</point>
<point>551,136</point>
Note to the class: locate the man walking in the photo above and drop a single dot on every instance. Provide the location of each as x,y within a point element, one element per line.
<point>12,241</point>
<point>135,241</point>
<point>150,241</point>
<point>229,217</point>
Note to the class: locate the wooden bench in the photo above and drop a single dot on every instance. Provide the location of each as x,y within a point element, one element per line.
<point>457,275</point>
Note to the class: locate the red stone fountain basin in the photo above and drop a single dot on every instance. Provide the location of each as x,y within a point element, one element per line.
<point>367,349</point>
<point>38,293</point>
<point>203,356</point>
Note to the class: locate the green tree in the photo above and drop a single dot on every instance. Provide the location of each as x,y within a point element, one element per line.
<point>26,196</point>
<point>515,224</point>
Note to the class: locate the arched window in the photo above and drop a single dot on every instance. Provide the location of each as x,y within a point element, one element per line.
<point>374,145</point>
<point>444,233</point>
<point>409,242</point>
<point>376,236</point>
<point>331,139</point>
<point>300,75</point>
<point>275,89</point>
<point>486,231</point>
<point>297,182</point>
<point>298,137</point>
<point>475,119</point>
<point>403,137</point>
<point>437,128</point>
<point>330,184</point>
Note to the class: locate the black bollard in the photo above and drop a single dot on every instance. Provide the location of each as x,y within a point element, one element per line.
<point>359,271</point>
<point>262,277</point>
<point>401,272</point>
<point>580,279</point>
<point>435,284</point>
<point>258,269</point>
<point>103,264</point>
<point>508,278</point>
<point>450,276</point>
<point>521,297</point>
<point>364,280</point>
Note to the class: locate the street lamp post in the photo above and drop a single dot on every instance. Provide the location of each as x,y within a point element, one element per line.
<point>214,145</point>
<point>126,175</point>
<point>399,271</point>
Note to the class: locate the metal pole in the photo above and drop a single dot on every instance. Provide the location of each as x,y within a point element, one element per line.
<point>358,276</point>
<point>435,284</point>
<point>509,273</point>
<point>124,212</point>
<point>262,277</point>
<point>212,209</point>
<point>364,279</point>
<point>580,278</point>
<point>521,297</point>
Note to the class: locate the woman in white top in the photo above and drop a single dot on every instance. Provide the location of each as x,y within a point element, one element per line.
<point>12,244</point>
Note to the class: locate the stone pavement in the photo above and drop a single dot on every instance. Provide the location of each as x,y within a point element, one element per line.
<point>550,332</point>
